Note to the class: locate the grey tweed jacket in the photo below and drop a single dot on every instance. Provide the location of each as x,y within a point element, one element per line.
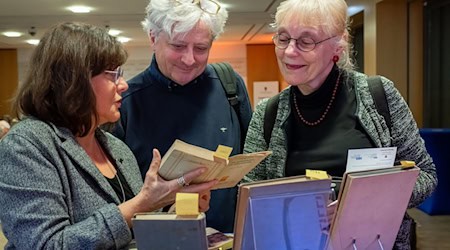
<point>52,196</point>
<point>405,136</point>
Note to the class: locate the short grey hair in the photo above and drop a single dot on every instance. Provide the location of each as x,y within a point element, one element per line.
<point>181,16</point>
<point>328,15</point>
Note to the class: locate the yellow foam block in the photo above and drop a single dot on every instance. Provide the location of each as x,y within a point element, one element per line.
<point>186,204</point>
<point>316,174</point>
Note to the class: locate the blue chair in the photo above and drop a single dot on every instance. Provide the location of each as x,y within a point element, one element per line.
<point>437,142</point>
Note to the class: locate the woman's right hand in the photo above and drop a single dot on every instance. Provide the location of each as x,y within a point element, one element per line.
<point>157,193</point>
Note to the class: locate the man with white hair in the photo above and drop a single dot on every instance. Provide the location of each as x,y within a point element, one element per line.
<point>179,96</point>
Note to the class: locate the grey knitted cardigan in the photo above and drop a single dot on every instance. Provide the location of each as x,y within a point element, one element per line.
<point>405,136</point>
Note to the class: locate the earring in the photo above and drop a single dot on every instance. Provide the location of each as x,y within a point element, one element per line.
<point>335,59</point>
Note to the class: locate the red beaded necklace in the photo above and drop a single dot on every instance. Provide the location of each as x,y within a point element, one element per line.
<point>333,96</point>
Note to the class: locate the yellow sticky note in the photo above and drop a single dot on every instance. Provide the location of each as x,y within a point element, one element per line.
<point>316,174</point>
<point>223,152</point>
<point>407,164</point>
<point>186,204</point>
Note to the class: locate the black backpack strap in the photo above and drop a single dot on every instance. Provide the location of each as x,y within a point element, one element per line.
<point>270,116</point>
<point>227,78</point>
<point>379,97</point>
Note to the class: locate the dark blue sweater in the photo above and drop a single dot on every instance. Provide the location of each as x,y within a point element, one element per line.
<point>155,111</point>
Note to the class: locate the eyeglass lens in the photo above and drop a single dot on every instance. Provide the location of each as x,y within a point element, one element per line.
<point>209,6</point>
<point>302,43</point>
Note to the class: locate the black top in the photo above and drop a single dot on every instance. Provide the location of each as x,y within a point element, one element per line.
<point>324,146</point>
<point>114,182</point>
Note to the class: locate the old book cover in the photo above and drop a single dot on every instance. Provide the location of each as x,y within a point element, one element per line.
<point>371,208</point>
<point>183,157</point>
<point>283,213</point>
<point>156,231</point>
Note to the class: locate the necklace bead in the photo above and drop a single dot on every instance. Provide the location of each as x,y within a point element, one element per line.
<point>325,112</point>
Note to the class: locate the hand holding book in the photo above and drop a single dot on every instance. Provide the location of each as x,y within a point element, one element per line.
<point>183,157</point>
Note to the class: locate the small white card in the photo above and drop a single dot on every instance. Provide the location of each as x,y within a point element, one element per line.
<point>370,158</point>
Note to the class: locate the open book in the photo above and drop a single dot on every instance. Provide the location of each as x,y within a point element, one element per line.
<point>183,157</point>
<point>371,207</point>
<point>284,213</point>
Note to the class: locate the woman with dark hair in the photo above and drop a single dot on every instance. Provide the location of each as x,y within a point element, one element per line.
<point>64,182</point>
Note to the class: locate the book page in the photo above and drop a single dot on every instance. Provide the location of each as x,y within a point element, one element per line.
<point>179,163</point>
<point>238,166</point>
<point>183,157</point>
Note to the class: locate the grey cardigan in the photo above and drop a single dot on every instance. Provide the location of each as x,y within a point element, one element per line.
<point>405,136</point>
<point>52,195</point>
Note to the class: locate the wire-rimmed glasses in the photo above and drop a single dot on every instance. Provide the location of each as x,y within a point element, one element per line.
<point>304,44</point>
<point>208,6</point>
<point>118,73</point>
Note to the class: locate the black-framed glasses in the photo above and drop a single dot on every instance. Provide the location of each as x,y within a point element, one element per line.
<point>304,44</point>
<point>208,6</point>
<point>118,73</point>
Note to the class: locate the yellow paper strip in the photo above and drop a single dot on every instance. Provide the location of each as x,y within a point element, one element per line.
<point>223,152</point>
<point>407,164</point>
<point>316,174</point>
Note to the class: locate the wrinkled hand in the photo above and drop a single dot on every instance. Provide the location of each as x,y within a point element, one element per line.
<point>203,201</point>
<point>157,192</point>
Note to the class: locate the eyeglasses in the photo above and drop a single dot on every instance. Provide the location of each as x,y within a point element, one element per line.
<point>304,44</point>
<point>118,73</point>
<point>209,6</point>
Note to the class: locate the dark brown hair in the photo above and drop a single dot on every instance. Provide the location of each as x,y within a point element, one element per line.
<point>57,88</point>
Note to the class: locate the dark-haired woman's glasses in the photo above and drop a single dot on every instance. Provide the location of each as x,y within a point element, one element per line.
<point>118,73</point>
<point>208,6</point>
<point>304,44</point>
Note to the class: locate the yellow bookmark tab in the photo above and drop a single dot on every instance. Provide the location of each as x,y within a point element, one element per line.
<point>316,174</point>
<point>407,164</point>
<point>186,204</point>
<point>223,152</point>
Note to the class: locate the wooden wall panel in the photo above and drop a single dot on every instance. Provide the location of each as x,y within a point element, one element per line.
<point>9,78</point>
<point>261,66</point>
<point>415,60</point>
<point>391,41</point>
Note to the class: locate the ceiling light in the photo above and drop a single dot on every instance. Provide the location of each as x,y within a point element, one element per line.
<point>79,9</point>
<point>114,32</point>
<point>12,34</point>
<point>352,10</point>
<point>33,41</point>
<point>123,39</point>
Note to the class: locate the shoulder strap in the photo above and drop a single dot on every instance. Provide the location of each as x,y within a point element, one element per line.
<point>227,78</point>
<point>379,97</point>
<point>270,116</point>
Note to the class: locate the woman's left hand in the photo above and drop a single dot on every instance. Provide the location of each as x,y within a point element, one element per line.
<point>203,201</point>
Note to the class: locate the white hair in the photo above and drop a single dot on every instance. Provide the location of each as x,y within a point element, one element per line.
<point>330,16</point>
<point>181,16</point>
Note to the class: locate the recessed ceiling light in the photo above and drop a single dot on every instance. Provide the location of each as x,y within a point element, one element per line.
<point>12,34</point>
<point>114,32</point>
<point>80,9</point>
<point>33,41</point>
<point>123,39</point>
<point>352,10</point>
